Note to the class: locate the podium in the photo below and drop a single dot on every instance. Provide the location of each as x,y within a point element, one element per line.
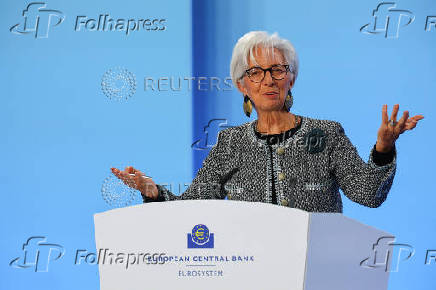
<point>224,244</point>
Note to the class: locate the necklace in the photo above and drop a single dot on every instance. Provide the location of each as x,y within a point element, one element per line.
<point>297,123</point>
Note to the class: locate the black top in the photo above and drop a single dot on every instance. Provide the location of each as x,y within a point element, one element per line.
<point>273,139</point>
<point>379,158</point>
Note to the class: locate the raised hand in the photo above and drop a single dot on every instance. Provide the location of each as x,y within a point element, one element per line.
<point>390,129</point>
<point>137,180</point>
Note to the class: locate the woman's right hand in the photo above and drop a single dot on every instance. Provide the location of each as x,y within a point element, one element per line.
<point>137,180</point>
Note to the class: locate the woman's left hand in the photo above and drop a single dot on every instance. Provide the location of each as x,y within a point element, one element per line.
<point>389,132</point>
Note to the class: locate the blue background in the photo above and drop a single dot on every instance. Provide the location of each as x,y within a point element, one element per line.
<point>60,134</point>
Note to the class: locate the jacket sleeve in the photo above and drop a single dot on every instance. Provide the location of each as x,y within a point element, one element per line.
<point>365,183</point>
<point>210,179</point>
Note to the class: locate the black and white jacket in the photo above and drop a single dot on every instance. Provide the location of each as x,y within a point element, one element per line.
<point>308,169</point>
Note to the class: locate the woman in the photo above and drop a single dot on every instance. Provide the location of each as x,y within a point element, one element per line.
<point>283,158</point>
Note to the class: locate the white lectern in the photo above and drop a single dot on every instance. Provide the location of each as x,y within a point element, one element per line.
<point>223,244</point>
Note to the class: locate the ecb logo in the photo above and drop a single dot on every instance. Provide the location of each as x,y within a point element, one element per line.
<point>200,237</point>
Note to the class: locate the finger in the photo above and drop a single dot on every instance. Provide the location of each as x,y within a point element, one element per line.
<point>129,180</point>
<point>395,112</point>
<point>401,125</point>
<point>139,177</point>
<point>417,117</point>
<point>142,173</point>
<point>409,121</point>
<point>402,121</point>
<point>412,121</point>
<point>410,126</point>
<point>125,176</point>
<point>116,172</point>
<point>385,114</point>
<point>134,172</point>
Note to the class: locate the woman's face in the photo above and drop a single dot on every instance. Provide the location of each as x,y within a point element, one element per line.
<point>269,94</point>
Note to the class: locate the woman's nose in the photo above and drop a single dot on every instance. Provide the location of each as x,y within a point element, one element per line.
<point>267,78</point>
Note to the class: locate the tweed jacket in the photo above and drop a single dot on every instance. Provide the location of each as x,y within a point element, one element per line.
<point>309,169</point>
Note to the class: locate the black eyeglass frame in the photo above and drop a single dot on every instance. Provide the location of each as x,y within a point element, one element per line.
<point>287,66</point>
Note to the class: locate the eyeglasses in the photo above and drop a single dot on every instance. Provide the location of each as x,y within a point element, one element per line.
<point>257,74</point>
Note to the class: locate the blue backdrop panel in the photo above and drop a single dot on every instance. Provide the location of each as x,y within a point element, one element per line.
<point>345,75</point>
<point>61,133</point>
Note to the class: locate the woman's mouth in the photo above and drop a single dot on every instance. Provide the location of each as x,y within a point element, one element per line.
<point>271,94</point>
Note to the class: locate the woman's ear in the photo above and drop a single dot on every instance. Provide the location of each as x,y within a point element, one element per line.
<point>241,88</point>
<point>291,84</point>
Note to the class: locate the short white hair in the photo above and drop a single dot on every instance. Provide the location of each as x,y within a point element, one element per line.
<point>246,45</point>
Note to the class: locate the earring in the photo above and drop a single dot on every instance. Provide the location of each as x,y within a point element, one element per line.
<point>247,105</point>
<point>289,100</point>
